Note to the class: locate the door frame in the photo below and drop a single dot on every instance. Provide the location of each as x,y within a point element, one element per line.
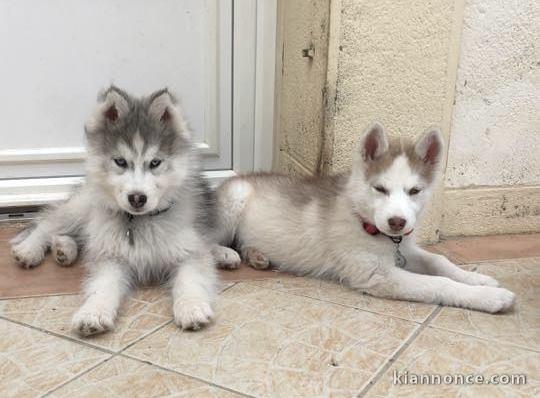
<point>254,69</point>
<point>253,73</point>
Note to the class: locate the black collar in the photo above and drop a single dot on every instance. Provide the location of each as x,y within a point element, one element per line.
<point>131,216</point>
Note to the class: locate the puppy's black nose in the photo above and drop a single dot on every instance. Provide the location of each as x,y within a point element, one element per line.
<point>397,223</point>
<point>137,199</point>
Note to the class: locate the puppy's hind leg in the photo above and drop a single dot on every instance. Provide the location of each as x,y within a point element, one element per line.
<point>64,250</point>
<point>225,257</point>
<point>232,197</point>
<point>29,247</point>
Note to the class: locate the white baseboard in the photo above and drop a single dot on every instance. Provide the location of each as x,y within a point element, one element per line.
<point>43,191</point>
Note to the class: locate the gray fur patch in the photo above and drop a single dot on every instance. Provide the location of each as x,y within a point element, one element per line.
<point>303,191</point>
<point>396,148</point>
<point>108,135</point>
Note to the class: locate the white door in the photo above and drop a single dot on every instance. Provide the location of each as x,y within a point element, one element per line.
<point>57,54</point>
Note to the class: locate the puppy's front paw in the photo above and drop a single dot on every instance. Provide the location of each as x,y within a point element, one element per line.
<point>495,299</point>
<point>226,258</point>
<point>192,315</point>
<point>476,279</point>
<point>27,254</point>
<point>92,321</point>
<point>64,250</point>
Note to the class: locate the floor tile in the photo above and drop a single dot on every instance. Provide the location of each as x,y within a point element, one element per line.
<point>122,377</point>
<point>521,325</point>
<point>440,352</point>
<point>485,248</point>
<point>32,362</point>
<point>268,343</point>
<point>143,312</point>
<point>336,293</point>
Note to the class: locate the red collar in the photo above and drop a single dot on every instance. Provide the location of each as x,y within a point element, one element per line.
<point>373,230</point>
<point>370,228</point>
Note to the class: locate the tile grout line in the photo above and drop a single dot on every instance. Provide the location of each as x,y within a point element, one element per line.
<point>233,284</point>
<point>38,296</point>
<point>61,336</point>
<point>77,376</point>
<point>489,339</point>
<point>145,335</point>
<point>501,260</point>
<point>346,305</point>
<point>204,381</point>
<point>382,370</point>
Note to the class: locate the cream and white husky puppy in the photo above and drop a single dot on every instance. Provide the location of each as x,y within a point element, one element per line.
<point>140,216</point>
<point>357,228</point>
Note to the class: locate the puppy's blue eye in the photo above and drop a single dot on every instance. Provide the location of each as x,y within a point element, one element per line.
<point>120,162</point>
<point>155,163</point>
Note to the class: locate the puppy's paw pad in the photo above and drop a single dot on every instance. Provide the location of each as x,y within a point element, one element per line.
<point>86,323</point>
<point>226,258</point>
<point>26,255</point>
<point>64,250</point>
<point>192,315</point>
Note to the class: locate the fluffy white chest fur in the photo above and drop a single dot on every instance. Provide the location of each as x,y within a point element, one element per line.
<point>146,244</point>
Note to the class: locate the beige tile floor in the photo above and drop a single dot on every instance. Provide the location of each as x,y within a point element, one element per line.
<point>282,337</point>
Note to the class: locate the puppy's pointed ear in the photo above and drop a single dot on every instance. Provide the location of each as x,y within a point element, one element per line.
<point>161,104</point>
<point>113,105</point>
<point>373,143</point>
<point>164,108</point>
<point>429,147</point>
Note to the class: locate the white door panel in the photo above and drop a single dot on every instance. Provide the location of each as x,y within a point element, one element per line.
<point>56,55</point>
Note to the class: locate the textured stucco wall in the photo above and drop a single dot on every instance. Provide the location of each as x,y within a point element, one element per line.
<point>392,66</point>
<point>495,137</point>
<point>301,83</point>
<point>493,173</point>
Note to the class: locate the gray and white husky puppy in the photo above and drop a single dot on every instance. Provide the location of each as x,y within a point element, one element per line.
<point>140,216</point>
<point>356,227</point>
